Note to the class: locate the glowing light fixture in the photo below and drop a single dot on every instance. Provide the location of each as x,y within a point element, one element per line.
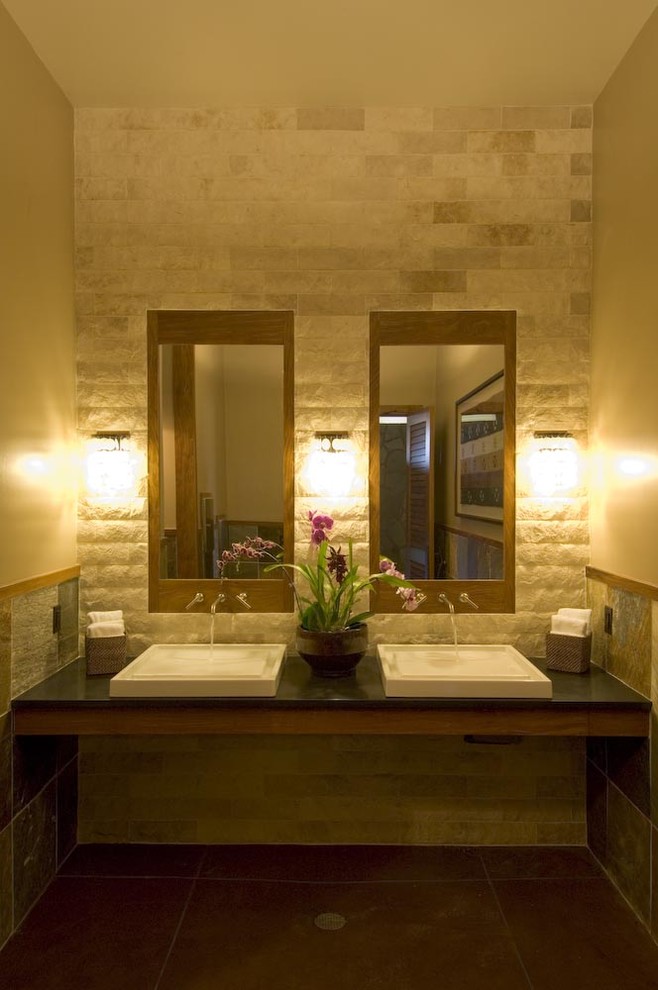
<point>111,469</point>
<point>330,469</point>
<point>553,464</point>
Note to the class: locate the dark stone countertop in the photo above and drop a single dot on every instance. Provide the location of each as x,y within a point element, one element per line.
<point>300,689</point>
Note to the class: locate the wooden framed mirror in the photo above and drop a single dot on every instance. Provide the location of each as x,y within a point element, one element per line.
<point>442,455</point>
<point>220,455</point>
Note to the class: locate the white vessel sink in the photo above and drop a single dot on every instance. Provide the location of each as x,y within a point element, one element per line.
<point>189,670</point>
<point>427,671</point>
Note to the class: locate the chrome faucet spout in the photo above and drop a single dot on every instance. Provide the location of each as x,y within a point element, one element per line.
<point>446,601</point>
<point>198,598</point>
<point>220,600</point>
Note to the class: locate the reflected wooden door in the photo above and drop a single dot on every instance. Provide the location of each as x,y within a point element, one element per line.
<point>187,533</point>
<point>420,520</point>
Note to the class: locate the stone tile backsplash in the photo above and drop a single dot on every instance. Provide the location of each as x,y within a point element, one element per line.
<point>622,801</point>
<point>38,774</point>
<point>35,649</point>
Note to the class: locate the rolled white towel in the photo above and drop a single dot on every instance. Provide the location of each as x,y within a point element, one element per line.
<point>101,630</point>
<point>565,625</point>
<point>578,613</point>
<point>105,616</point>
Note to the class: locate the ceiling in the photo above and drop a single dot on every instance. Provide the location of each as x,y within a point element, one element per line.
<point>349,52</point>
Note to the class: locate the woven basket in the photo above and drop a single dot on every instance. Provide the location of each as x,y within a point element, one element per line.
<point>569,653</point>
<point>105,655</point>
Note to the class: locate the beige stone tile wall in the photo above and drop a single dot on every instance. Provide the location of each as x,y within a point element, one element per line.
<point>334,213</point>
<point>331,789</point>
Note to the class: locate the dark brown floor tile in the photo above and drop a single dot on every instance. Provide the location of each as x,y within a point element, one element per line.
<point>109,860</point>
<point>332,864</point>
<point>538,862</point>
<point>95,934</point>
<point>574,934</point>
<point>256,935</point>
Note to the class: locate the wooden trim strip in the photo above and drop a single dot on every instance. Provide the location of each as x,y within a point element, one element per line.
<point>118,720</point>
<point>627,584</point>
<point>40,581</point>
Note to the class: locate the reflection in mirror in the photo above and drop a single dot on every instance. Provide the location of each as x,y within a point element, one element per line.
<point>220,453</point>
<point>233,433</point>
<point>442,453</point>
<point>441,477</point>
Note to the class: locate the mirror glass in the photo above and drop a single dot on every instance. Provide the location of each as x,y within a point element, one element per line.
<point>442,445</point>
<point>441,432</point>
<point>234,435</point>
<point>220,455</point>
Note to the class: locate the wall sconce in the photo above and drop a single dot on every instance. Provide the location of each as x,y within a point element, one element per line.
<point>111,469</point>
<point>330,468</point>
<point>553,464</point>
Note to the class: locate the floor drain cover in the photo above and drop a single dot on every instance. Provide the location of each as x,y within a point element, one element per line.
<point>329,922</point>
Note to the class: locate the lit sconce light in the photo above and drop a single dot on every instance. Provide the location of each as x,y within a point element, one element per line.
<point>330,469</point>
<point>553,464</point>
<point>111,469</point>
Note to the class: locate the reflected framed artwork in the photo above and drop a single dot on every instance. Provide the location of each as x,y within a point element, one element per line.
<point>480,433</point>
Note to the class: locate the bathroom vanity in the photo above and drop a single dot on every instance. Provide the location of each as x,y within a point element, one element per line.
<point>592,704</point>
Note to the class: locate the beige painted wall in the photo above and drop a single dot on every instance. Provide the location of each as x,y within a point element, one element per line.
<point>37,366</point>
<point>624,410</point>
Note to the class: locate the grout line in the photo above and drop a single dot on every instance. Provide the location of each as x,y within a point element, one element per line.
<point>126,876</point>
<point>176,933</point>
<point>61,865</point>
<point>336,882</point>
<point>202,860</point>
<point>182,916</point>
<point>609,878</point>
<point>630,800</point>
<point>506,924</point>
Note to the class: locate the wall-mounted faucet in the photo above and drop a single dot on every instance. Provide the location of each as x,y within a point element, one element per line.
<point>198,598</point>
<point>243,599</point>
<point>446,601</point>
<point>466,599</point>
<point>220,600</point>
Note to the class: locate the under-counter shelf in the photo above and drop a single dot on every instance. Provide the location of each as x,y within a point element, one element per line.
<point>593,704</point>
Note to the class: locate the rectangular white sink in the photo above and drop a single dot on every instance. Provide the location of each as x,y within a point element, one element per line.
<point>427,671</point>
<point>189,670</point>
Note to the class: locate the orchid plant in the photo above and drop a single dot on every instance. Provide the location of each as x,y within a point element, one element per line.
<point>332,578</point>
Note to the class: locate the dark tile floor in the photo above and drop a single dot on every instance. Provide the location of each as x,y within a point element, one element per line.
<point>329,918</point>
